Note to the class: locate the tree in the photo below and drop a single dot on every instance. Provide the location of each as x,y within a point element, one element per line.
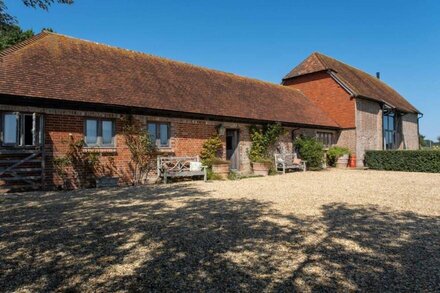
<point>12,34</point>
<point>7,19</point>
<point>422,140</point>
<point>438,139</point>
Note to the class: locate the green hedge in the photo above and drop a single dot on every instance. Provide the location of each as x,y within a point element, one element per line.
<point>399,160</point>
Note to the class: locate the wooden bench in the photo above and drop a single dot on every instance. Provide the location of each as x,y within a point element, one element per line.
<point>171,167</point>
<point>289,162</point>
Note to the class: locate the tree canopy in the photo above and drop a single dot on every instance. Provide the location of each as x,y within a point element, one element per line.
<point>12,34</point>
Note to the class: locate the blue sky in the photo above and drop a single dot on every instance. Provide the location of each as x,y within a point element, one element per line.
<point>265,39</point>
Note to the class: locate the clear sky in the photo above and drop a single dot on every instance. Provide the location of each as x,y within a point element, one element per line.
<point>265,39</point>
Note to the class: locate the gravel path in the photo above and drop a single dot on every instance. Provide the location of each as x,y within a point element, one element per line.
<point>314,231</point>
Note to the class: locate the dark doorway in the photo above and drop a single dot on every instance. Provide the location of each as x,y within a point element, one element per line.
<point>27,130</point>
<point>232,148</point>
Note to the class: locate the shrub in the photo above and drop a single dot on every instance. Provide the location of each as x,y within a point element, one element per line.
<point>334,153</point>
<point>404,160</point>
<point>142,149</point>
<point>311,151</point>
<point>211,150</point>
<point>262,140</point>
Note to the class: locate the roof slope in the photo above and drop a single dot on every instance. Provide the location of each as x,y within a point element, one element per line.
<point>58,67</point>
<point>361,83</point>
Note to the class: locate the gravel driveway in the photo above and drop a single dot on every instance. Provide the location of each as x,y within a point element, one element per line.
<point>314,231</point>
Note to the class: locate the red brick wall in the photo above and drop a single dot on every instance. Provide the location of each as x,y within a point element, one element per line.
<point>60,130</point>
<point>328,95</point>
<point>188,138</point>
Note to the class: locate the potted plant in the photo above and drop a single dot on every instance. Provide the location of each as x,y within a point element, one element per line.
<point>263,139</point>
<point>220,168</point>
<point>338,156</point>
<point>262,167</point>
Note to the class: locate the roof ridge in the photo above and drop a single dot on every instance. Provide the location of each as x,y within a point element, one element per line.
<point>23,44</point>
<point>323,63</point>
<point>231,75</point>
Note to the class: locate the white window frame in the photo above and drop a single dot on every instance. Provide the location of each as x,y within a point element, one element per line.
<point>157,134</point>
<point>99,141</point>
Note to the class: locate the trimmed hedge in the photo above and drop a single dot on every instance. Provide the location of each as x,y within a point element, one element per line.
<point>404,160</point>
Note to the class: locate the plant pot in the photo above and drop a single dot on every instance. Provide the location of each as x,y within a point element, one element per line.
<point>342,162</point>
<point>221,169</point>
<point>352,161</point>
<point>261,169</point>
<point>107,181</point>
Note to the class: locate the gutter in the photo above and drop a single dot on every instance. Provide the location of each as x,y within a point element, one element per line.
<point>419,116</point>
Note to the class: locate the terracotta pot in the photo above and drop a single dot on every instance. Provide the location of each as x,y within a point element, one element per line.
<point>221,169</point>
<point>352,162</point>
<point>342,162</point>
<point>261,168</point>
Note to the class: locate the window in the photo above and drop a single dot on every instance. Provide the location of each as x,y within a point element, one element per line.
<point>389,129</point>
<point>10,129</point>
<point>325,137</point>
<point>160,134</point>
<point>20,129</point>
<point>99,133</point>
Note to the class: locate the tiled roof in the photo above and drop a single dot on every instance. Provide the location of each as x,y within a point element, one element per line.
<point>360,83</point>
<point>58,67</point>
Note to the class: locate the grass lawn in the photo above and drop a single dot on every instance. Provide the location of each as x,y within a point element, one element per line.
<point>346,230</point>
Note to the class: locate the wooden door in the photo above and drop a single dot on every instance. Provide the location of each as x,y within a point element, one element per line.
<point>232,153</point>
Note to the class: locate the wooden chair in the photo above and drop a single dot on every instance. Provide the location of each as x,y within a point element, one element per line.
<point>171,167</point>
<point>289,162</point>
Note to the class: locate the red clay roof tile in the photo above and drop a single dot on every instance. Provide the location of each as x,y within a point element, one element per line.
<point>359,82</point>
<point>58,67</point>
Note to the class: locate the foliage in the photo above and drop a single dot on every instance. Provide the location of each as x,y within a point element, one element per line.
<point>142,149</point>
<point>404,160</point>
<point>262,140</point>
<point>60,165</point>
<point>86,166</point>
<point>11,35</point>
<point>334,153</point>
<point>211,150</point>
<point>7,19</point>
<point>311,151</point>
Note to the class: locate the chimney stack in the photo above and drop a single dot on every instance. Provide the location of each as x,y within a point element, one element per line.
<point>378,75</point>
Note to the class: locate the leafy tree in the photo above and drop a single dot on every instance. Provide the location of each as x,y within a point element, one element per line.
<point>438,139</point>
<point>311,150</point>
<point>7,19</point>
<point>422,140</point>
<point>11,35</point>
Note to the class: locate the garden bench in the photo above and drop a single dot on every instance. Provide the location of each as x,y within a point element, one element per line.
<point>172,167</point>
<point>289,162</point>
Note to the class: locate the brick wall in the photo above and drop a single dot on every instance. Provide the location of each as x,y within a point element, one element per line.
<point>187,138</point>
<point>410,134</point>
<point>368,128</point>
<point>328,95</point>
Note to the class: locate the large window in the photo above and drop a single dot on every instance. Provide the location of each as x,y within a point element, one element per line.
<point>389,129</point>
<point>21,129</point>
<point>99,133</point>
<point>325,137</point>
<point>160,134</point>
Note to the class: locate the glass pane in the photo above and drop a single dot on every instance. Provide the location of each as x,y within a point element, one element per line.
<point>28,125</point>
<point>91,131</point>
<point>152,132</point>
<point>163,134</point>
<point>391,123</point>
<point>10,129</point>
<point>107,132</point>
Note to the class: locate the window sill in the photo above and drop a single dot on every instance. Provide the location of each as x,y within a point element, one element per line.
<point>164,150</point>
<point>99,149</point>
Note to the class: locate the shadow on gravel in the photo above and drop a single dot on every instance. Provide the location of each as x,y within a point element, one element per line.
<point>176,237</point>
